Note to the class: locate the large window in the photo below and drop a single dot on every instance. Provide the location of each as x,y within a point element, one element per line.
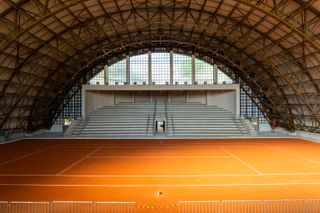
<point>71,108</point>
<point>203,72</point>
<point>160,66</point>
<point>182,69</point>
<point>98,79</point>
<point>117,73</point>
<point>223,78</point>
<point>139,69</point>
<point>248,109</point>
<point>160,70</point>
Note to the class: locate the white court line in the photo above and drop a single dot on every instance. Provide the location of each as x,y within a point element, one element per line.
<point>160,185</point>
<point>295,155</point>
<point>72,165</point>
<point>27,155</point>
<point>106,145</point>
<point>161,176</point>
<point>245,163</point>
<point>170,157</point>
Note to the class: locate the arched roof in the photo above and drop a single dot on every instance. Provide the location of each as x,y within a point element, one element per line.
<point>47,46</point>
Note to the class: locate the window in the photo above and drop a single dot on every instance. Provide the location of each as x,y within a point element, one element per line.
<point>72,107</point>
<point>160,63</point>
<point>98,79</point>
<point>223,78</point>
<point>248,109</point>
<point>203,72</point>
<point>139,69</point>
<point>117,73</point>
<point>182,69</point>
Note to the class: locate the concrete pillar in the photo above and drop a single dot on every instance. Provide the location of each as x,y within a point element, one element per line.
<point>171,67</point>
<point>149,68</point>
<point>128,69</point>
<point>193,63</point>
<point>215,74</point>
<point>106,75</point>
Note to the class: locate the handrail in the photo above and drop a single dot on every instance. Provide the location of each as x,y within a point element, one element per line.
<point>166,114</point>
<point>154,114</point>
<point>172,125</point>
<point>82,125</point>
<point>236,123</point>
<point>147,128</point>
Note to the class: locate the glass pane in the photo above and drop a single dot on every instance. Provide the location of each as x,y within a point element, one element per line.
<point>160,68</point>
<point>98,79</point>
<point>203,72</point>
<point>139,69</point>
<point>182,69</point>
<point>117,73</point>
<point>223,78</point>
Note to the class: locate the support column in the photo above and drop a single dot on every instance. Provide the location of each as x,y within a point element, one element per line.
<point>149,68</point>
<point>106,75</point>
<point>193,62</point>
<point>128,69</point>
<point>238,102</point>
<point>171,67</point>
<point>215,74</point>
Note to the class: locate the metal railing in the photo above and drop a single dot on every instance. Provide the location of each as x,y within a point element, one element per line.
<point>172,125</point>
<point>166,115</point>
<point>228,206</point>
<point>154,116</point>
<point>82,125</point>
<point>147,127</point>
<point>67,207</point>
<point>251,206</point>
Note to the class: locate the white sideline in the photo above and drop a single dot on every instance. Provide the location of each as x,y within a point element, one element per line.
<point>161,176</point>
<point>245,163</point>
<point>72,165</point>
<point>295,155</point>
<point>159,185</point>
<point>165,157</point>
<point>27,155</point>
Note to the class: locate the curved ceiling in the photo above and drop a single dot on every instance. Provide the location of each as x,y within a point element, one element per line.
<point>46,46</point>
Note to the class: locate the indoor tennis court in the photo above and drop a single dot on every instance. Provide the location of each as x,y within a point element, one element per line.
<point>160,175</point>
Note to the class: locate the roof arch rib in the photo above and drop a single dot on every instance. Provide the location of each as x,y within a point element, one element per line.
<point>46,46</point>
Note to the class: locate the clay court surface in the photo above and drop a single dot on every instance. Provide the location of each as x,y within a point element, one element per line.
<point>137,170</point>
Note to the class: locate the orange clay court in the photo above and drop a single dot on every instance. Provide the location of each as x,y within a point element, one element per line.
<point>159,172</point>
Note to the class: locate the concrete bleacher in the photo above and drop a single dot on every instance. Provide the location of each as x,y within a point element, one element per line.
<point>123,119</point>
<point>138,119</point>
<point>196,119</point>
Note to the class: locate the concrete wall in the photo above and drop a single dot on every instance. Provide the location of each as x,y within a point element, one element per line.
<point>97,99</point>
<point>223,99</point>
<point>144,96</point>
<point>56,128</point>
<point>302,134</point>
<point>264,127</point>
<point>197,96</point>
<point>177,96</point>
<point>229,99</point>
<point>123,97</point>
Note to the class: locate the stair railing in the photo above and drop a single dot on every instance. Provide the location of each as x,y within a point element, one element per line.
<point>166,114</point>
<point>237,125</point>
<point>82,125</point>
<point>154,115</point>
<point>147,127</point>
<point>172,122</point>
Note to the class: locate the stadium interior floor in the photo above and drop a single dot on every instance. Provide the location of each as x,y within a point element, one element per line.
<point>159,172</point>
